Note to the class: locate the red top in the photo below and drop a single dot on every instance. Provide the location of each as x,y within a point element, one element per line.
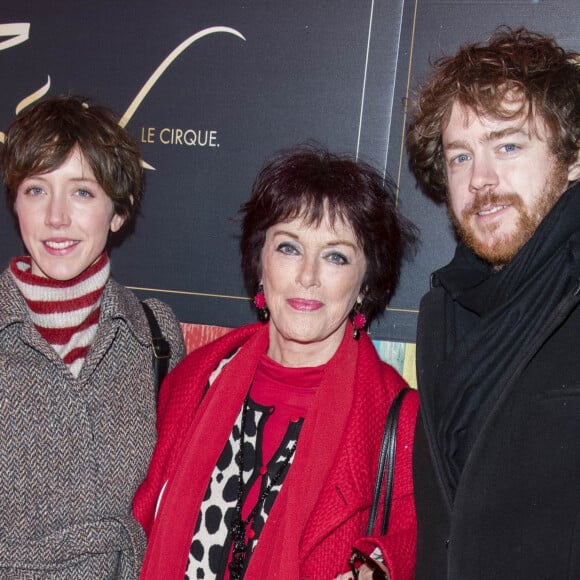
<point>289,391</point>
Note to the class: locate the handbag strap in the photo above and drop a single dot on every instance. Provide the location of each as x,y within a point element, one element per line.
<point>386,458</point>
<point>160,349</point>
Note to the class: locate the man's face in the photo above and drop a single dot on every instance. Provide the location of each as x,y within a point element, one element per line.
<point>503,178</point>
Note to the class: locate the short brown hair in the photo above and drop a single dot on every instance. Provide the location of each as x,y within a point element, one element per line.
<point>531,66</point>
<point>43,136</point>
<point>308,182</point>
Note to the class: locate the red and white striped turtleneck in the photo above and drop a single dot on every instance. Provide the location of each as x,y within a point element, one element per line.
<point>65,313</point>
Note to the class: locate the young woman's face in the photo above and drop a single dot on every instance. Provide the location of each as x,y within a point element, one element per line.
<point>312,277</point>
<point>65,217</point>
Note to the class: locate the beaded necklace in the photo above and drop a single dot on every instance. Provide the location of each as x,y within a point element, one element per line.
<point>240,525</point>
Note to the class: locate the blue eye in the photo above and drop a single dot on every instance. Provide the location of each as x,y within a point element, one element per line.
<point>34,191</point>
<point>510,147</point>
<point>84,193</point>
<point>461,158</point>
<point>337,258</point>
<point>287,248</point>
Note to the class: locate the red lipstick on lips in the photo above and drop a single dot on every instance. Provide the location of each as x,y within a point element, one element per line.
<point>304,305</point>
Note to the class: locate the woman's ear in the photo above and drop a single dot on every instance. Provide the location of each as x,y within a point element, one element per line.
<point>117,222</point>
<point>362,294</point>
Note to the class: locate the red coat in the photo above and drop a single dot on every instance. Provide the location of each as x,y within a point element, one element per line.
<point>324,503</point>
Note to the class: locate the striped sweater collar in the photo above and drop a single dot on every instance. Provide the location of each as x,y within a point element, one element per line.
<point>65,313</point>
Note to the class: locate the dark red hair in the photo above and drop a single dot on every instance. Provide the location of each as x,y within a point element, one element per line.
<point>310,182</point>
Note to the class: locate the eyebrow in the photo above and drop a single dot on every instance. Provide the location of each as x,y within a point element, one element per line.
<point>40,177</point>
<point>491,136</point>
<point>494,135</point>
<point>331,243</point>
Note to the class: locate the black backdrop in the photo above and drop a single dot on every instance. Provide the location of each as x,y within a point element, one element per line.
<point>212,88</point>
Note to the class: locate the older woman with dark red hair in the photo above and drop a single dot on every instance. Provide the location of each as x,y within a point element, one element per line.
<point>269,437</point>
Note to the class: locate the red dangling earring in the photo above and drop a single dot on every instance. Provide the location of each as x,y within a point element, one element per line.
<point>359,320</point>
<point>260,304</point>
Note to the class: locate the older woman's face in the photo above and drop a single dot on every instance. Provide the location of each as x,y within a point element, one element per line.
<point>65,217</point>
<point>312,277</point>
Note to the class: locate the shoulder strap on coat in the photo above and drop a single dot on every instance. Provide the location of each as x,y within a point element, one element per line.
<point>386,459</point>
<point>160,349</point>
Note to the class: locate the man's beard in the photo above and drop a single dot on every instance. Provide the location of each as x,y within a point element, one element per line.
<point>501,249</point>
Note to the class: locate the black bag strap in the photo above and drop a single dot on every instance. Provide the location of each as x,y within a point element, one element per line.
<point>160,348</point>
<point>386,458</point>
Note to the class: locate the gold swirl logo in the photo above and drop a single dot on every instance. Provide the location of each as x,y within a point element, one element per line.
<point>18,33</point>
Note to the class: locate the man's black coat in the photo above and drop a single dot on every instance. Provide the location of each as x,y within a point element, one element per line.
<point>515,513</point>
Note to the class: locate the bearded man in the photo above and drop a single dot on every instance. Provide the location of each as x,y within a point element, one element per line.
<point>495,133</point>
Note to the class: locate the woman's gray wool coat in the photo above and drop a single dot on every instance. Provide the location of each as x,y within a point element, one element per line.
<point>74,451</point>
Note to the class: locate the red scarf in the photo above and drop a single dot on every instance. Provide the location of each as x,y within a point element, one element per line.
<point>171,537</point>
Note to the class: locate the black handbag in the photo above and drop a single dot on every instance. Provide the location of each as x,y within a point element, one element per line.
<point>386,459</point>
